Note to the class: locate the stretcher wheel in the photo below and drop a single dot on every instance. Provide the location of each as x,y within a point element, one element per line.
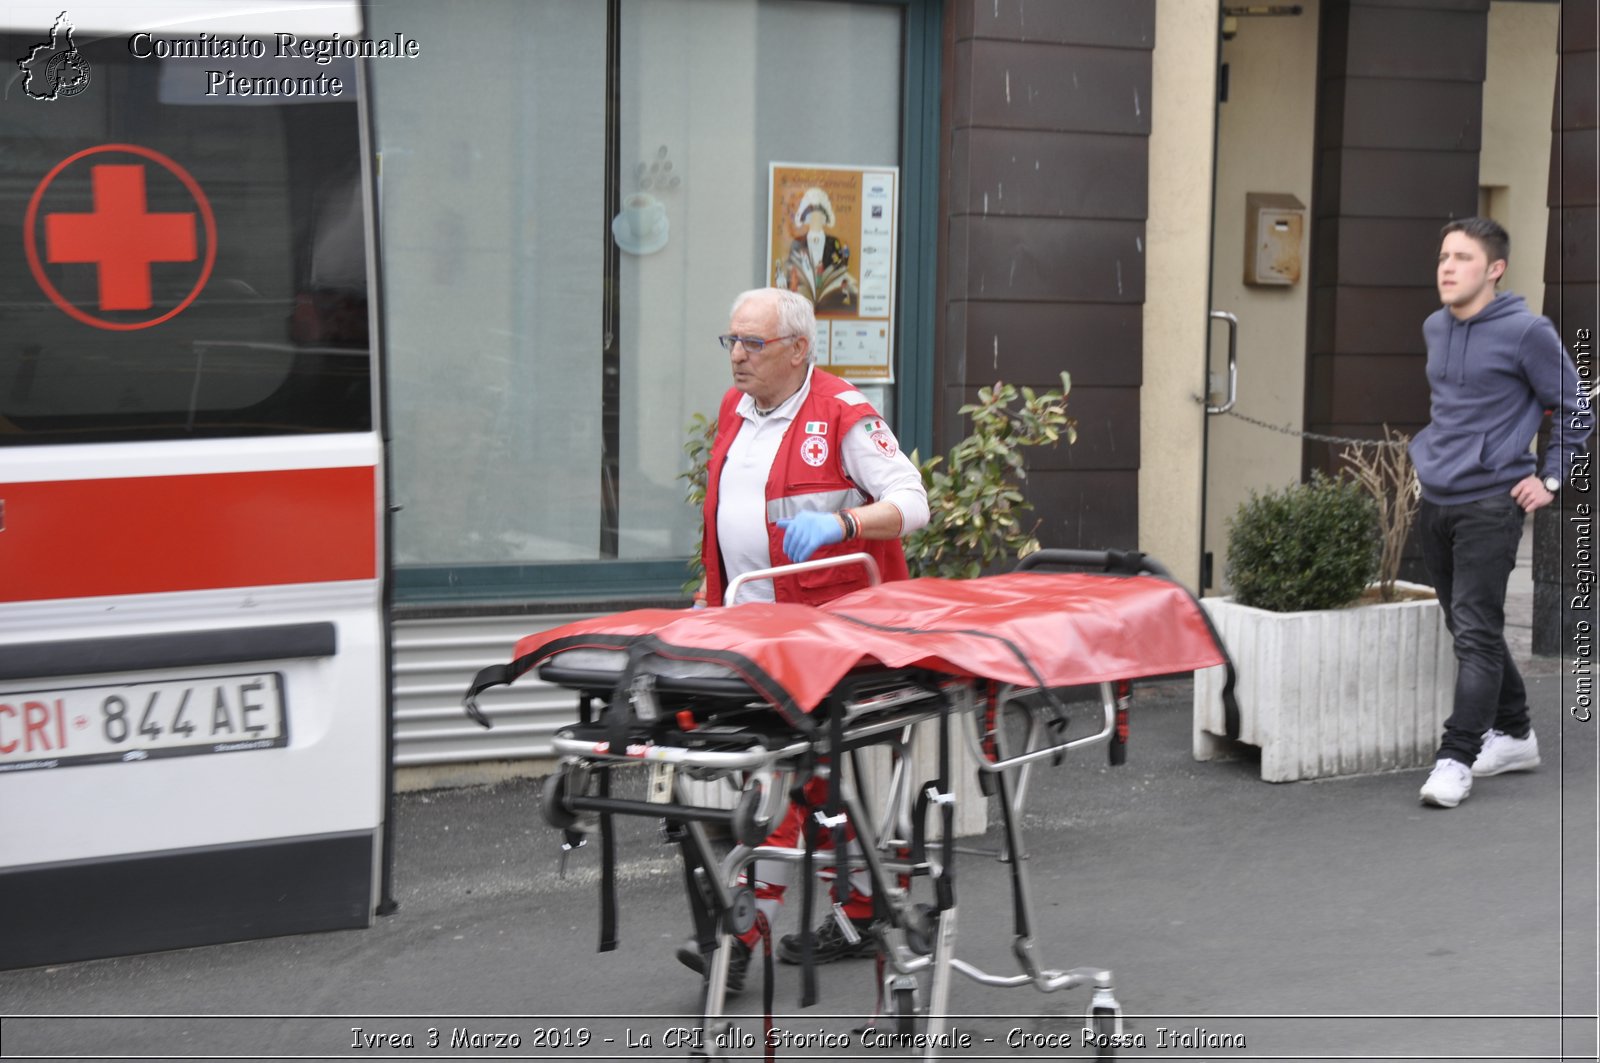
<point>920,929</point>
<point>742,911</point>
<point>1105,1032</point>
<point>553,802</point>
<point>903,1006</point>
<point>1117,752</point>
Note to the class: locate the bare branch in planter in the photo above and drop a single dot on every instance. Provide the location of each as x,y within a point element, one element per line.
<point>1386,473</point>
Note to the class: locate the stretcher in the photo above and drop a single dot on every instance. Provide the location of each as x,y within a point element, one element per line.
<point>762,698</point>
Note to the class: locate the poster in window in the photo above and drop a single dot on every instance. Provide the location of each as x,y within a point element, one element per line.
<point>831,237</point>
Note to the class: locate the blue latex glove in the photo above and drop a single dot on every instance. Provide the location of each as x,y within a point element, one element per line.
<point>805,533</point>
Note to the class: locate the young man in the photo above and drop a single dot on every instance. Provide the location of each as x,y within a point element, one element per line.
<point>1493,368</point>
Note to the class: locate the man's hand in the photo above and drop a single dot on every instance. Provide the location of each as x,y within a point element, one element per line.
<point>804,533</point>
<point>1531,495</point>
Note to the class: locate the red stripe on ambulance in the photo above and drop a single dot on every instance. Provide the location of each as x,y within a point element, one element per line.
<point>156,534</point>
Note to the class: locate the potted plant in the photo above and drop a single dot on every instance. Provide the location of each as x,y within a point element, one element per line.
<point>976,508</point>
<point>1336,674</point>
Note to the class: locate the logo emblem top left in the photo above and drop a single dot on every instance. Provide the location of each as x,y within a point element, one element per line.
<point>55,69</point>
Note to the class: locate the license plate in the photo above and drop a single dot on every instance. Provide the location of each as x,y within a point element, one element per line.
<point>140,721</point>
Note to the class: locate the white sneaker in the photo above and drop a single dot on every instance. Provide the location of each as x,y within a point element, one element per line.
<point>1501,752</point>
<point>1449,784</point>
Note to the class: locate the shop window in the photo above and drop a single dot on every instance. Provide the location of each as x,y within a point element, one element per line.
<point>558,263</point>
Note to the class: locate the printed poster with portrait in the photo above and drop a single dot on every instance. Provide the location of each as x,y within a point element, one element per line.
<point>831,237</point>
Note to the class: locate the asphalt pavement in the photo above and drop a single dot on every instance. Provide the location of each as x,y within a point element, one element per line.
<point>1337,919</point>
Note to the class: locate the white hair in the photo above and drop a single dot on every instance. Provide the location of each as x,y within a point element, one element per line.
<point>796,316</point>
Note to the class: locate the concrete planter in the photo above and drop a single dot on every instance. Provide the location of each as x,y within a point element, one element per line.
<point>1336,692</point>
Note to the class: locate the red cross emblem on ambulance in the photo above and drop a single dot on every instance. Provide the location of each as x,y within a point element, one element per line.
<point>95,209</point>
<point>814,451</point>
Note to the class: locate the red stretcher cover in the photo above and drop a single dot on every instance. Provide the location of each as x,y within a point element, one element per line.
<point>1026,628</point>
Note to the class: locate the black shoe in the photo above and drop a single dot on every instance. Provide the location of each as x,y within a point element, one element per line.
<point>690,956</point>
<point>829,943</point>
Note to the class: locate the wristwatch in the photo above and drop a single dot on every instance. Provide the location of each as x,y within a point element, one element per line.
<point>1552,484</point>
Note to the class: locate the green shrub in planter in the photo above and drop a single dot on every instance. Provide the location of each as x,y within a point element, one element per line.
<point>1308,546</point>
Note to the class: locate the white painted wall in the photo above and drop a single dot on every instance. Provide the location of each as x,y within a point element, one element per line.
<point>1178,236</point>
<point>1519,85</point>
<point>1265,143</point>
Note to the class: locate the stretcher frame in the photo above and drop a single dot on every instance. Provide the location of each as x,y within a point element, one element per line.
<point>916,942</point>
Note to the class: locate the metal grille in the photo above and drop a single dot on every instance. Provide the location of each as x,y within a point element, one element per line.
<point>434,662</point>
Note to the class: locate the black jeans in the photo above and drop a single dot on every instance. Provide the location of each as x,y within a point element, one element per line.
<point>1470,551</point>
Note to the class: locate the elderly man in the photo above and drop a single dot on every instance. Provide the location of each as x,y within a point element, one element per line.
<point>802,466</point>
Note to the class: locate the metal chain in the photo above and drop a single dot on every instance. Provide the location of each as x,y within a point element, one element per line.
<point>1317,437</point>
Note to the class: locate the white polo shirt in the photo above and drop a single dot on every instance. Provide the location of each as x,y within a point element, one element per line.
<point>872,458</point>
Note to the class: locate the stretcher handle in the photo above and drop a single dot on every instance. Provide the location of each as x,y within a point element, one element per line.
<point>865,560</point>
<point>719,760</point>
<point>1108,706</point>
<point>1118,562</point>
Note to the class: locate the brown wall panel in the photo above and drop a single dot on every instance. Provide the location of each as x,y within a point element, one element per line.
<point>955,264</point>
<point>1372,320</point>
<point>1404,184</point>
<point>1371,389</point>
<point>1027,85</point>
<point>1577,302</point>
<point>1108,23</point>
<point>1580,24</point>
<point>1326,196</point>
<point>1089,510</point>
<point>1100,344</point>
<point>1108,428</point>
<point>1577,152</point>
<point>1378,252</point>
<point>1570,299</point>
<point>1047,108</point>
<point>1399,128</point>
<point>1576,106</point>
<point>1377,113</point>
<point>1570,241</point>
<point>1051,259</point>
<point>1050,174</point>
<point>1421,44</point>
<point>954,340</point>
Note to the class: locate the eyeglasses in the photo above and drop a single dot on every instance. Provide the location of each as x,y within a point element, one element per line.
<point>752,344</point>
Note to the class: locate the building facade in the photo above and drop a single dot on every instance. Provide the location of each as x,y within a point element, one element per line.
<point>1076,183</point>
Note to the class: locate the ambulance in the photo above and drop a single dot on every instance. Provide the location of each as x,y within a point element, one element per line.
<point>194,719</point>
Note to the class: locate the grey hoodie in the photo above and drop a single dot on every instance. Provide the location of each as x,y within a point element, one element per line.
<point>1492,377</point>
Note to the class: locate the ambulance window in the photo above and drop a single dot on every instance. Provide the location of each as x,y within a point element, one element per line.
<point>182,260</point>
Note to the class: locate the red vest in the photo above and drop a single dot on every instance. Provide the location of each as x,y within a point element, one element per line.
<point>795,484</point>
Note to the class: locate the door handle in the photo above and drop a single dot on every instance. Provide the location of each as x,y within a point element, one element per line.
<point>1233,361</point>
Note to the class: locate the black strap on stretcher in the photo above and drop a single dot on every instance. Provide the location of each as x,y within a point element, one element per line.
<point>616,718</point>
<point>944,886</point>
<point>808,890</point>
